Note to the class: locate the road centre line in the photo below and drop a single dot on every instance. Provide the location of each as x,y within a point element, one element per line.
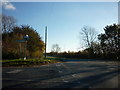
<point>15,71</point>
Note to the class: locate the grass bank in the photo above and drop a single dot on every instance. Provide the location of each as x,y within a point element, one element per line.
<point>29,62</point>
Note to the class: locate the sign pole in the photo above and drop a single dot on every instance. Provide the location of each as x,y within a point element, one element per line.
<point>45,40</point>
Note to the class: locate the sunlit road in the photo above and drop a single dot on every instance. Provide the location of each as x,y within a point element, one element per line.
<point>69,74</point>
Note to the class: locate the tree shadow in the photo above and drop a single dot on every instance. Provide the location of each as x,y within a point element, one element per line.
<point>89,81</point>
<point>85,82</point>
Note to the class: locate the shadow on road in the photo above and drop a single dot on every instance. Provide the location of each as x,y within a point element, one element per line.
<point>97,74</point>
<point>89,81</point>
<point>84,82</point>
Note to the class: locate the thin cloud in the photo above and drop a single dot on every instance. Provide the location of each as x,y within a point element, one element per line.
<point>7,5</point>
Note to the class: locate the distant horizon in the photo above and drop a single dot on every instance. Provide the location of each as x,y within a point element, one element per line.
<point>63,19</point>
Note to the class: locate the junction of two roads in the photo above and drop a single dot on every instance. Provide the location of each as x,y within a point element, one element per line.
<point>72,73</point>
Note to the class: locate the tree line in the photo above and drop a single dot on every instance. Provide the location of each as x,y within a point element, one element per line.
<point>13,44</point>
<point>104,45</point>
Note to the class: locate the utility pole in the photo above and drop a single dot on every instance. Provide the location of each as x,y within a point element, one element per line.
<point>45,40</point>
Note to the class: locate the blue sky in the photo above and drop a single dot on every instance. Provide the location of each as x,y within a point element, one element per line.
<point>64,19</point>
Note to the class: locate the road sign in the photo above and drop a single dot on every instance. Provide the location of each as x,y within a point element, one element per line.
<point>20,40</point>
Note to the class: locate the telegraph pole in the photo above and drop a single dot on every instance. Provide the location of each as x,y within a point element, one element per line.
<point>45,40</point>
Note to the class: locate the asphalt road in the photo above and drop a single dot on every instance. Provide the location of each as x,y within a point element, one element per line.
<point>69,74</point>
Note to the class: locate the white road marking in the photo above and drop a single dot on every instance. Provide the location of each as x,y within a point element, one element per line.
<point>65,66</point>
<point>74,75</point>
<point>15,71</point>
<point>107,71</point>
<point>58,65</point>
<point>112,68</point>
<point>60,71</point>
<point>66,81</point>
<point>28,80</point>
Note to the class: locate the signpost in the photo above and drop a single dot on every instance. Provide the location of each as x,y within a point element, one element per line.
<point>24,40</point>
<point>26,37</point>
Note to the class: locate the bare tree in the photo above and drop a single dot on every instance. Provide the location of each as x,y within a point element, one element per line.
<point>8,22</point>
<point>89,36</point>
<point>55,48</point>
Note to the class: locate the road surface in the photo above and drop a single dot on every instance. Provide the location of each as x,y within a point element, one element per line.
<point>72,73</point>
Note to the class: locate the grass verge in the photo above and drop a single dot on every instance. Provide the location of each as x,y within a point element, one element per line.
<point>29,62</point>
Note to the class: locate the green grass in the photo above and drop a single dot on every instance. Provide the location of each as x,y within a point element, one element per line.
<point>29,62</point>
